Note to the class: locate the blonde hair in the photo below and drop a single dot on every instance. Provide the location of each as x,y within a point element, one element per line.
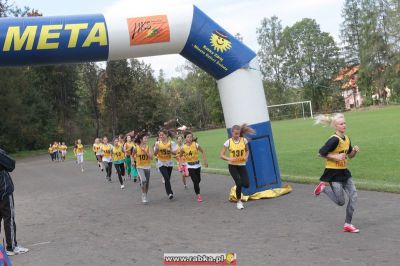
<point>328,119</point>
<point>244,129</point>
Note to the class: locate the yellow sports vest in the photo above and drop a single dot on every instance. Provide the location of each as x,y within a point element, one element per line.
<point>190,153</point>
<point>118,153</point>
<point>142,159</point>
<point>238,151</point>
<point>96,147</point>
<point>55,148</point>
<point>128,148</point>
<point>79,148</point>
<point>51,150</point>
<point>106,149</point>
<point>342,147</point>
<point>63,147</point>
<point>164,151</point>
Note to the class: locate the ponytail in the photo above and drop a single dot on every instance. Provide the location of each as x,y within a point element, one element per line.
<point>244,129</point>
<point>326,120</point>
<point>139,137</point>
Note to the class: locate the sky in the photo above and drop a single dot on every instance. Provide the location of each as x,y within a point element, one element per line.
<point>236,16</point>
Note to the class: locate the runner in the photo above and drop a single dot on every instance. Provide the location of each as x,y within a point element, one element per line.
<point>118,160</point>
<point>336,152</point>
<point>106,150</point>
<point>190,152</point>
<point>182,165</point>
<point>51,152</point>
<point>164,149</point>
<point>98,153</point>
<point>78,151</point>
<point>128,149</point>
<point>55,151</point>
<point>238,149</point>
<point>143,156</point>
<point>63,148</point>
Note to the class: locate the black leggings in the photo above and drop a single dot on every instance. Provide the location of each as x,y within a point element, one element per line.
<point>196,178</point>
<point>166,172</point>
<point>241,178</point>
<point>120,171</point>
<point>108,166</point>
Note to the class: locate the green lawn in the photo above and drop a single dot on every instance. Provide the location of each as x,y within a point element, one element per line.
<point>376,131</point>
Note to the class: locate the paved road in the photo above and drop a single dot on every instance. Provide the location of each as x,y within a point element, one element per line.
<point>71,218</point>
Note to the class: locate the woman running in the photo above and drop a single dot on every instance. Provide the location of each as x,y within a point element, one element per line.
<point>144,155</point>
<point>336,152</point>
<point>128,149</point>
<point>106,150</point>
<point>190,152</point>
<point>119,160</point>
<point>182,165</point>
<point>78,151</point>
<point>55,151</point>
<point>238,149</point>
<point>98,153</point>
<point>164,149</point>
<point>63,151</point>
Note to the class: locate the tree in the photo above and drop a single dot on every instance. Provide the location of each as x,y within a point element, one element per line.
<point>350,31</point>
<point>311,59</point>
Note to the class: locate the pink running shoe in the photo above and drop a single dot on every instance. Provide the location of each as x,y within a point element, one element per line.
<point>199,198</point>
<point>350,228</point>
<point>318,189</point>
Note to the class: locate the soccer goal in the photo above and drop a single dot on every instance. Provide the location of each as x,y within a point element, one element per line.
<point>290,110</point>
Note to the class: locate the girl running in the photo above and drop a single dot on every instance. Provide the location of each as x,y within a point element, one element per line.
<point>118,160</point>
<point>190,151</point>
<point>98,153</point>
<point>63,151</point>
<point>78,151</point>
<point>144,155</point>
<point>182,165</point>
<point>106,150</point>
<point>55,151</point>
<point>164,149</point>
<point>51,152</point>
<point>336,152</point>
<point>238,149</point>
<point>128,149</point>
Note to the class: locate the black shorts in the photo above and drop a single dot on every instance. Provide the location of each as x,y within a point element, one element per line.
<point>99,158</point>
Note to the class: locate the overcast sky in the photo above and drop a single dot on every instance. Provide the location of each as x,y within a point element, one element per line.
<point>235,16</point>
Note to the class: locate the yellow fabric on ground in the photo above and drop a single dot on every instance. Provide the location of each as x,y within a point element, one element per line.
<point>266,194</point>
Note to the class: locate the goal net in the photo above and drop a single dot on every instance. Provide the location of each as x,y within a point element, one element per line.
<point>290,110</point>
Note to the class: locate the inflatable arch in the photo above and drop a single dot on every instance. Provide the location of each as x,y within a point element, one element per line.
<point>132,33</point>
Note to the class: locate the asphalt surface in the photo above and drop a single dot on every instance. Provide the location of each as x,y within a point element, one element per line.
<point>67,217</point>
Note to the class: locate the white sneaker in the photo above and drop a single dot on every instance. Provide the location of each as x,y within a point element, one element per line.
<point>83,170</point>
<point>122,186</point>
<point>17,250</point>
<point>143,198</point>
<point>239,205</point>
<point>10,253</point>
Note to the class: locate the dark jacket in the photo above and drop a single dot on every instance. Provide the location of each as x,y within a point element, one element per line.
<point>6,184</point>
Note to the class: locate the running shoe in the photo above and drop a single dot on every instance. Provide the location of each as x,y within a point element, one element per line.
<point>143,198</point>
<point>122,186</point>
<point>20,250</point>
<point>318,189</point>
<point>83,170</point>
<point>239,205</point>
<point>350,228</point>
<point>199,198</point>
<point>10,253</point>
<point>134,179</point>
<point>170,196</point>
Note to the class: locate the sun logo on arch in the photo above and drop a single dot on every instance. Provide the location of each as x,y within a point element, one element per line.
<point>220,42</point>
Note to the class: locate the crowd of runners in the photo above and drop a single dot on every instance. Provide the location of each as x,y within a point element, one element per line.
<point>132,157</point>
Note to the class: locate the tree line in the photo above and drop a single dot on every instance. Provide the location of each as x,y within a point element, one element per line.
<point>42,104</point>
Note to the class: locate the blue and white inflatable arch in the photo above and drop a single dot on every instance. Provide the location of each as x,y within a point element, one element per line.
<point>133,33</point>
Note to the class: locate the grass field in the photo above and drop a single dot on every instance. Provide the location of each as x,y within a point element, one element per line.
<point>297,142</point>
